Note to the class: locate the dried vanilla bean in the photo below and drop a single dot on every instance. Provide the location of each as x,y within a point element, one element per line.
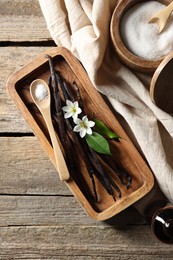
<point>69,95</point>
<point>83,156</point>
<point>106,181</point>
<point>69,138</point>
<point>58,115</point>
<point>119,171</point>
<point>94,160</point>
<point>102,176</point>
<point>58,82</point>
<point>66,90</point>
<point>123,175</point>
<point>79,98</point>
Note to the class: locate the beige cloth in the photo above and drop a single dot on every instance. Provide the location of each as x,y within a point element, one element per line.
<point>82,26</point>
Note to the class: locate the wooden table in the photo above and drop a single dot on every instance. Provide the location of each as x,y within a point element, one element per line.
<point>39,218</point>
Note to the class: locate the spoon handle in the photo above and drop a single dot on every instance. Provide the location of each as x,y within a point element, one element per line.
<point>166,12</point>
<point>60,162</point>
<point>170,7</point>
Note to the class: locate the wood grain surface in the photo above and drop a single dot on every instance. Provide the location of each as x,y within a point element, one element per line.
<point>21,21</point>
<point>39,218</point>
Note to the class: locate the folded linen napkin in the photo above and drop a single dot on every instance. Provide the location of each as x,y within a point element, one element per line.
<point>83,26</point>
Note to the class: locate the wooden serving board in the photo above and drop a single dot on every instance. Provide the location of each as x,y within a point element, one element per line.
<point>124,151</point>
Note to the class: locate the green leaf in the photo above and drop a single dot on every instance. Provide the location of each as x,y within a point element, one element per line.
<point>101,128</point>
<point>98,143</point>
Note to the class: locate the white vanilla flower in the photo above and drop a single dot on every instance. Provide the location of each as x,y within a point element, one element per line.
<point>72,109</point>
<point>83,126</point>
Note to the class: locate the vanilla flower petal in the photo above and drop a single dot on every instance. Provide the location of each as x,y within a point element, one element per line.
<point>77,121</point>
<point>85,119</point>
<point>68,114</point>
<point>77,128</point>
<point>89,131</point>
<point>83,132</point>
<point>76,104</point>
<point>91,123</point>
<point>66,108</point>
<point>68,102</point>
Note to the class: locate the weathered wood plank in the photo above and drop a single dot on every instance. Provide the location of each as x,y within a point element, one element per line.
<point>26,169</point>
<point>18,176</point>
<point>41,210</point>
<point>22,20</point>
<point>12,59</point>
<point>81,242</point>
<point>55,210</point>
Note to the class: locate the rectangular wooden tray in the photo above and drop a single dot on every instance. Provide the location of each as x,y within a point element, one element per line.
<point>124,151</point>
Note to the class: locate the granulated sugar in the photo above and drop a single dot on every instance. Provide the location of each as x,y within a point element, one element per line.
<point>41,92</point>
<point>143,38</point>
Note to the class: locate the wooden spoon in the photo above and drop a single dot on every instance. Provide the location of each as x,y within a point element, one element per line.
<point>42,100</point>
<point>161,86</point>
<point>161,17</point>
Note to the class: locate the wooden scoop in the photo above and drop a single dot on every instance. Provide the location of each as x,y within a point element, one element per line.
<point>43,104</point>
<point>161,86</point>
<point>161,17</point>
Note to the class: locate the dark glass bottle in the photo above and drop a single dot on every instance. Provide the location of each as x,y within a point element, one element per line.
<point>162,224</point>
<point>156,211</point>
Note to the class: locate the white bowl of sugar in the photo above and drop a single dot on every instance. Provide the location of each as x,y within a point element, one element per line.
<point>136,41</point>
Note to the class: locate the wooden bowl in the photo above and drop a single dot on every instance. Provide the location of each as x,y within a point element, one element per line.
<point>161,90</point>
<point>124,151</point>
<point>127,57</point>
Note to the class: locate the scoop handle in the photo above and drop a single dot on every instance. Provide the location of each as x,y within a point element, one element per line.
<point>166,12</point>
<point>60,161</point>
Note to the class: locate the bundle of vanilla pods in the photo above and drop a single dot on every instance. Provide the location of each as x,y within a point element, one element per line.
<point>70,140</point>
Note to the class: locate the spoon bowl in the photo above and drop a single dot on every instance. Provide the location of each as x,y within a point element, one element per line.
<point>43,102</point>
<point>40,94</point>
